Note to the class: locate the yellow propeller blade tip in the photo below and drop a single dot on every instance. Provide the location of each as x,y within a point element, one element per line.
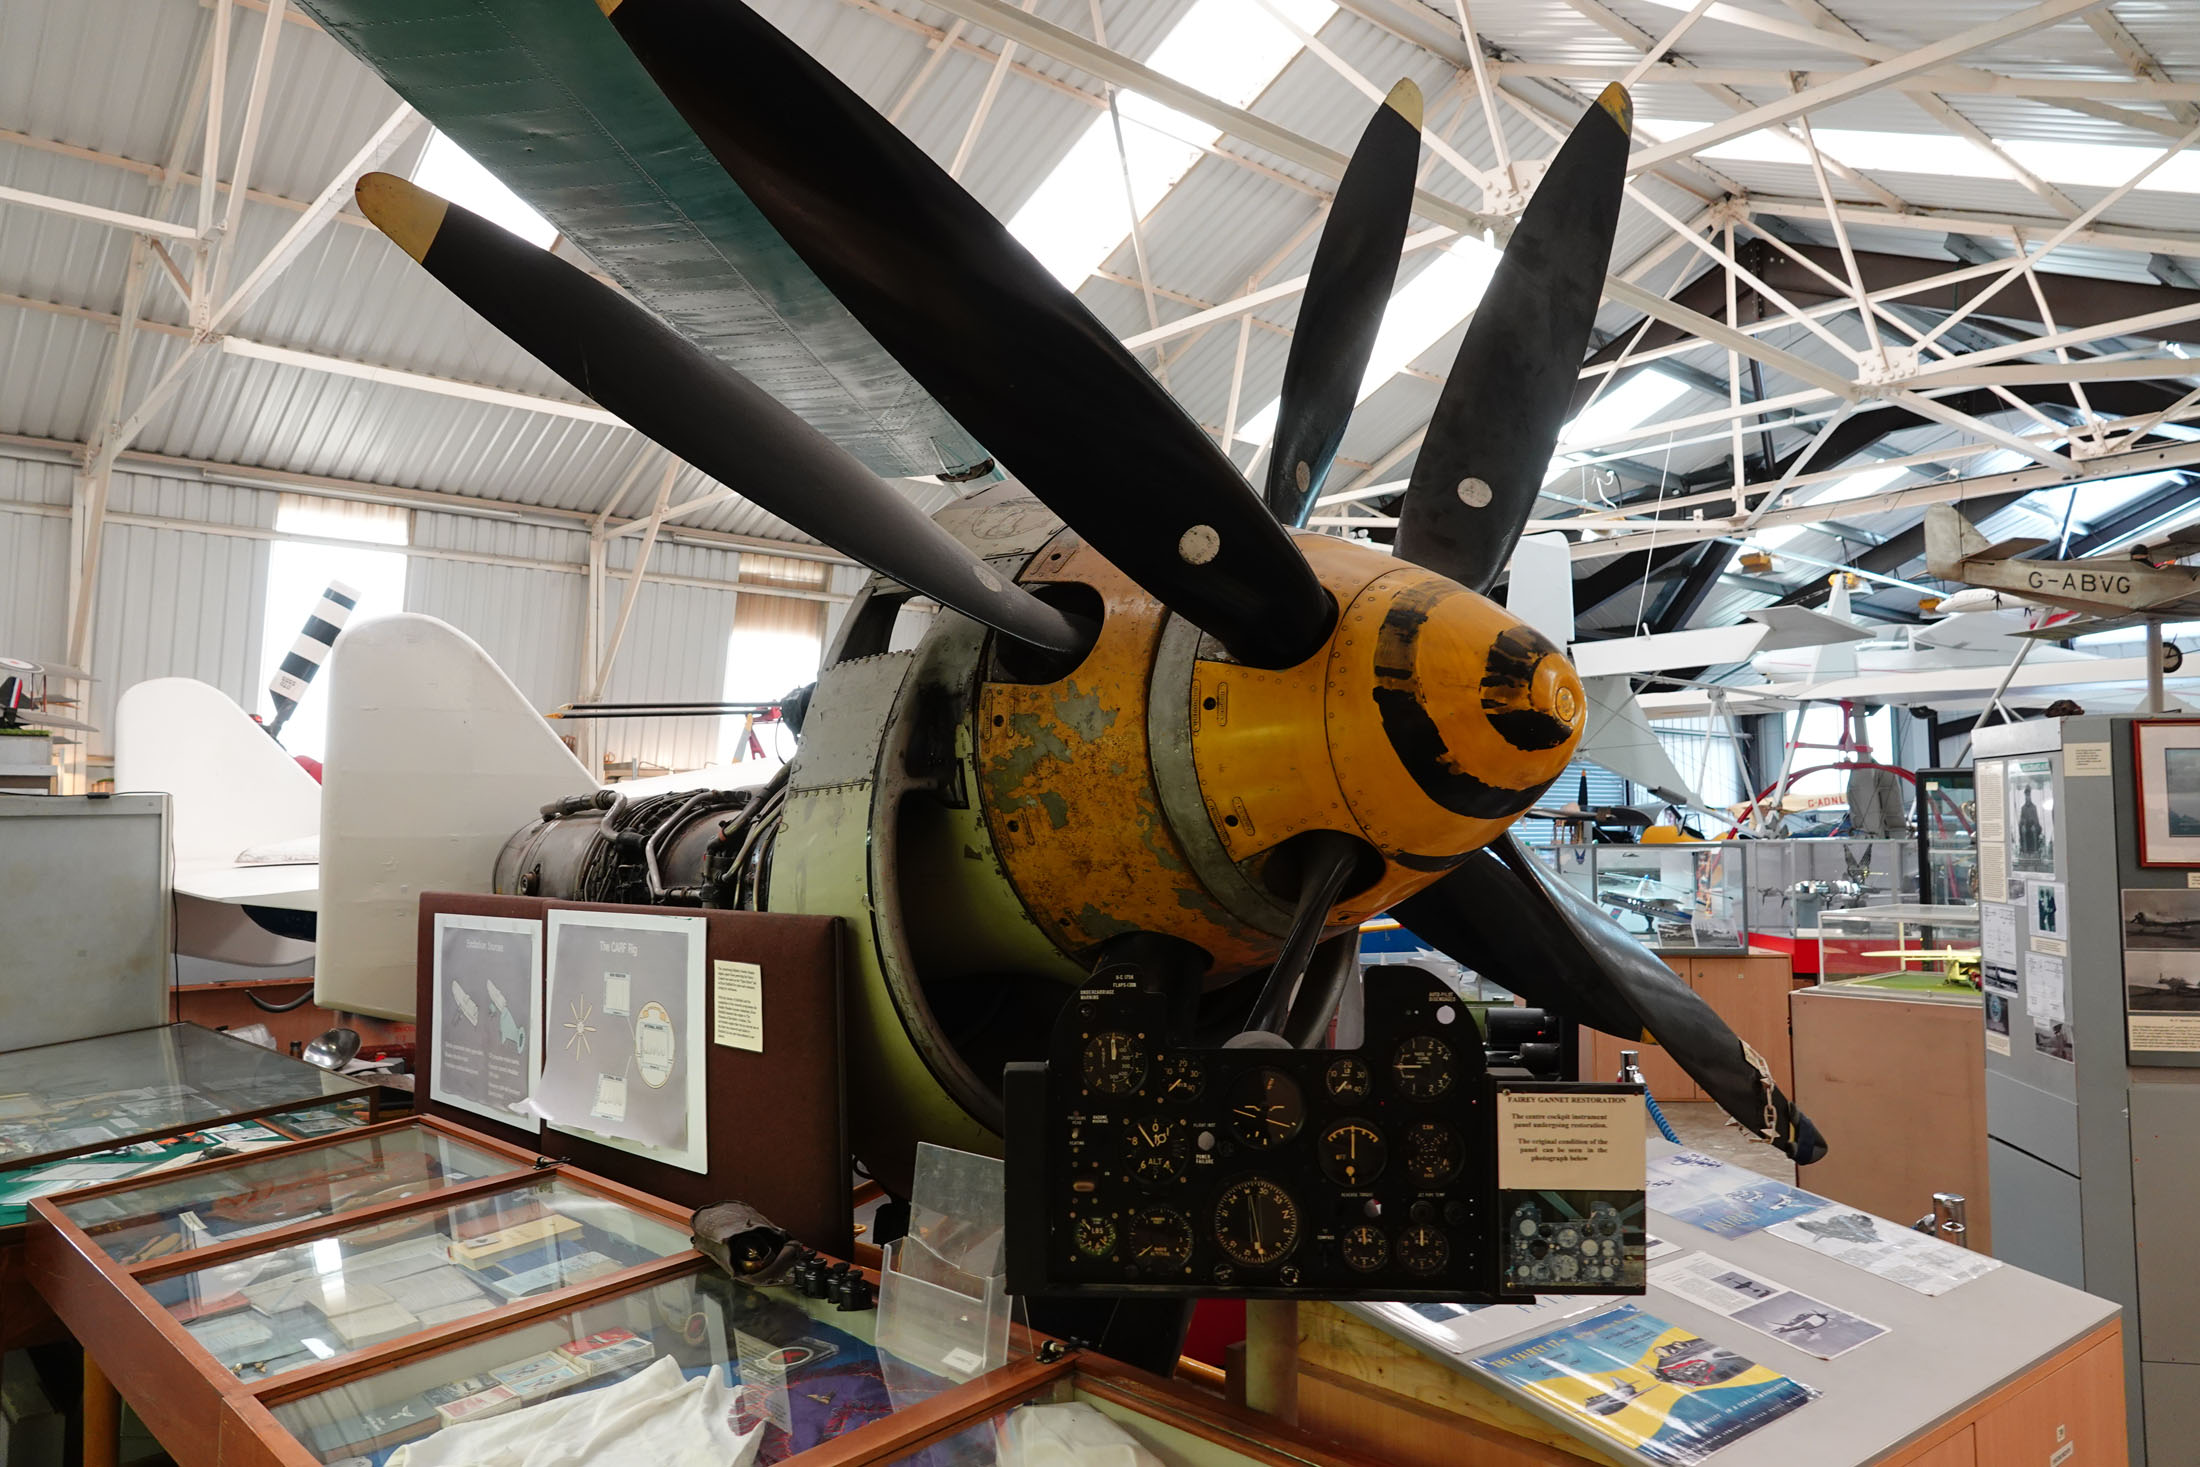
<point>607,6</point>
<point>1404,99</point>
<point>1614,100</point>
<point>404,211</point>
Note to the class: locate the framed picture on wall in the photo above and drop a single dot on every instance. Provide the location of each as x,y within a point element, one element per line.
<point>2166,766</point>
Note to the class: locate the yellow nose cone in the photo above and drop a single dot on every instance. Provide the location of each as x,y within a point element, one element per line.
<point>1447,717</point>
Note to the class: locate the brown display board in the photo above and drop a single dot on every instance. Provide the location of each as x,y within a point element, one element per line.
<point>777,1124</point>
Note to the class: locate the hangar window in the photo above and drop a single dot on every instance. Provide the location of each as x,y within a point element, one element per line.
<point>319,541</point>
<point>774,647</point>
<point>447,169</point>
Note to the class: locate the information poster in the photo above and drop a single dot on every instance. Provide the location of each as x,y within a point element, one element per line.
<point>1997,1021</point>
<point>1652,1387</point>
<point>2047,1000</point>
<point>2031,805</point>
<point>2162,969</point>
<point>2046,909</point>
<point>488,1001</point>
<point>1772,1309</point>
<point>1731,1201</point>
<point>1991,791</point>
<point>1997,935</point>
<point>624,1034</point>
<point>1993,871</point>
<point>1896,1253</point>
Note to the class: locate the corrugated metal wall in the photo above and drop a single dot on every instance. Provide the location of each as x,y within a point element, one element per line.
<point>34,561</point>
<point>175,603</point>
<point>189,602</point>
<point>530,620</point>
<point>675,648</point>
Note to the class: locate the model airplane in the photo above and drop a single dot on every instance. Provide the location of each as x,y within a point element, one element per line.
<point>2114,589</point>
<point>24,701</point>
<point>1153,728</point>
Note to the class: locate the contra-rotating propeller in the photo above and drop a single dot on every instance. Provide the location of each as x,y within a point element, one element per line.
<point>1003,346</point>
<point>702,410</point>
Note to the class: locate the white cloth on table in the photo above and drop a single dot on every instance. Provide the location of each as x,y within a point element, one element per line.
<point>655,1417</point>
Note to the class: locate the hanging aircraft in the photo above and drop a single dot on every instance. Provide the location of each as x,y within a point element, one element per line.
<point>1153,728</point>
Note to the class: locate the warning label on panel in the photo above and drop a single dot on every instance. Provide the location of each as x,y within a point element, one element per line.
<point>1558,1140</point>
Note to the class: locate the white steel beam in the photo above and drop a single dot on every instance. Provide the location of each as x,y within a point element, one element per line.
<point>307,227</point>
<point>240,176</point>
<point>112,218</point>
<point>235,346</point>
<point>634,581</point>
<point>1870,79</point>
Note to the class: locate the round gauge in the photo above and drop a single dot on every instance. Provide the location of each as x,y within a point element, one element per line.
<point>1434,1153</point>
<point>1423,1066</point>
<point>1423,1250</point>
<point>1155,1151</point>
<point>1256,1222</point>
<point>1590,1247</point>
<point>1095,1235</point>
<point>1181,1078</point>
<point>1566,1266</point>
<point>1266,1108</point>
<point>1115,1063</point>
<point>1604,1220</point>
<point>1568,1238</point>
<point>1160,1237</point>
<point>1347,1080</point>
<point>1352,1153</point>
<point>1524,1224</point>
<point>1364,1249</point>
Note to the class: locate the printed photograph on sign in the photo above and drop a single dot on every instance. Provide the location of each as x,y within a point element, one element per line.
<point>487,1034</point>
<point>2166,777</point>
<point>2031,786</point>
<point>623,1052</point>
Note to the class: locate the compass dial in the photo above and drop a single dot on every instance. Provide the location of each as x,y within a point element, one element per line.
<point>1257,1223</point>
<point>1423,1250</point>
<point>1423,1067</point>
<point>1266,1108</point>
<point>1352,1153</point>
<point>1434,1153</point>
<point>1160,1237</point>
<point>1155,1150</point>
<point>1364,1249</point>
<point>1114,1063</point>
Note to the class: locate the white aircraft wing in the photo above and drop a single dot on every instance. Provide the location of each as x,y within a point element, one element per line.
<point>1799,626</point>
<point>1702,647</point>
<point>294,886</point>
<point>1954,685</point>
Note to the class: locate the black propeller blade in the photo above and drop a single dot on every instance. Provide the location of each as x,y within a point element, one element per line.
<point>1504,913</point>
<point>1354,268</point>
<point>705,412</point>
<point>1498,418</point>
<point>989,332</point>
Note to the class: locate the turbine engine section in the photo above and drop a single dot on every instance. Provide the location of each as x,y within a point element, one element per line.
<point>686,848</point>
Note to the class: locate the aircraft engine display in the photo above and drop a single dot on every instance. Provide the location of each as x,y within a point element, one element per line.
<point>1138,718</point>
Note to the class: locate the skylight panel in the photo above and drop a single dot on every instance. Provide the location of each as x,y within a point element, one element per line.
<point>2084,165</point>
<point>1229,49</point>
<point>1855,486</point>
<point>1627,406</point>
<point>1423,310</point>
<point>447,169</point>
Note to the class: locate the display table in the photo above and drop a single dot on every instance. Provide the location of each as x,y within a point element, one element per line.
<point>2005,1368</point>
<point>1902,1062</point>
<point>243,1309</point>
<point>75,1113</point>
<point>1747,989</point>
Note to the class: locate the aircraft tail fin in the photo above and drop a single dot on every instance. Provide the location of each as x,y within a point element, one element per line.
<point>434,760</point>
<point>1620,738</point>
<point>1540,587</point>
<point>1950,539</point>
<point>231,788</point>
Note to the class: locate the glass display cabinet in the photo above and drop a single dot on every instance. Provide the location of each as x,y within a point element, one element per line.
<point>86,1095</point>
<point>416,1288</point>
<point>1687,895</point>
<point>1913,949</point>
<point>1947,836</point>
<point>1793,882</point>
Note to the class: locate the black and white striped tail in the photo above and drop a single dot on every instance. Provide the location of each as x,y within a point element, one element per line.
<point>306,655</point>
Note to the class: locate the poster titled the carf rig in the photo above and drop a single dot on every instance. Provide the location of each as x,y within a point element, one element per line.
<point>1655,1388</point>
